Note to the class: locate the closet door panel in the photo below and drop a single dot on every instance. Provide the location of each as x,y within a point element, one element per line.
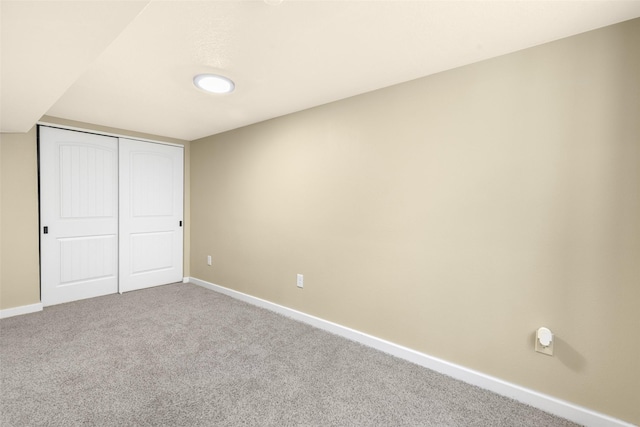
<point>151,209</point>
<point>78,214</point>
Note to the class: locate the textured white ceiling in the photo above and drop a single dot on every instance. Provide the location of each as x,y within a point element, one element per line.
<point>130,64</point>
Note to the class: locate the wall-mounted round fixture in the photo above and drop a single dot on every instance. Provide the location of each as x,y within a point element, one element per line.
<point>213,83</point>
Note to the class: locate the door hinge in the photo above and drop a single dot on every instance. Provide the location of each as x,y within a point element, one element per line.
<point>46,230</point>
<point>180,223</point>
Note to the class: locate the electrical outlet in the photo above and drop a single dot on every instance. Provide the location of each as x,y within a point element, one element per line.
<point>300,281</point>
<point>544,341</point>
<point>208,259</point>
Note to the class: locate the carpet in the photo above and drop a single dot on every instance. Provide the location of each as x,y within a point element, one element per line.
<point>182,355</point>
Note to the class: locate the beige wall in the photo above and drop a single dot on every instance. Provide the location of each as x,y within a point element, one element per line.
<point>19,276</point>
<point>454,215</point>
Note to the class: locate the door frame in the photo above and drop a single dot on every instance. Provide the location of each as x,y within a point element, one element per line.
<point>105,133</point>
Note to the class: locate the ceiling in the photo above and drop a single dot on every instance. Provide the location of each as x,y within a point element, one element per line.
<point>130,64</point>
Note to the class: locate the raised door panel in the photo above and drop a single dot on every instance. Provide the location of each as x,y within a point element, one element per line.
<point>79,215</point>
<point>151,209</point>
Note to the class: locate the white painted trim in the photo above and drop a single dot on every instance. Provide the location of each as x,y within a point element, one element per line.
<point>552,405</point>
<point>99,132</point>
<point>185,280</point>
<point>23,309</point>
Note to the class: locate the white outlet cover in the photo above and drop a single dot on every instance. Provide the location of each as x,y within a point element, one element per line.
<point>547,338</point>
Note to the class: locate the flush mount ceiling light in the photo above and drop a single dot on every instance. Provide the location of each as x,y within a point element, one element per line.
<point>213,83</point>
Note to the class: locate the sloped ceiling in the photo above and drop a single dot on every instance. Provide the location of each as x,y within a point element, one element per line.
<point>47,46</point>
<point>130,64</point>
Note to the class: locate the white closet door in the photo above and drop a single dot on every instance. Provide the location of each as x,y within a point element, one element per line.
<point>79,215</point>
<point>151,209</point>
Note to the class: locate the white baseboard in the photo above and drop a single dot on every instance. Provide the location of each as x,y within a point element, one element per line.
<point>24,309</point>
<point>552,405</point>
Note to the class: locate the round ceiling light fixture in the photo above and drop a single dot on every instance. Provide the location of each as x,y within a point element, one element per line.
<point>213,83</point>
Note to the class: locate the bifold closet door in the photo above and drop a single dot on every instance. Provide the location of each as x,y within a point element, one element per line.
<point>151,209</point>
<point>78,215</point>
